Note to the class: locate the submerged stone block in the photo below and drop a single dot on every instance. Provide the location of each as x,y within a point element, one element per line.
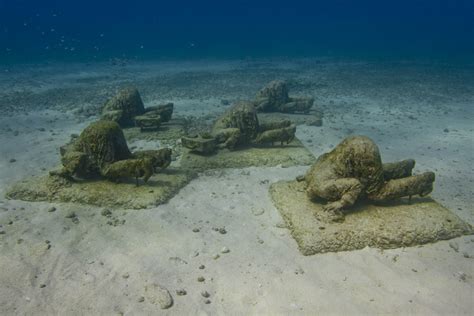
<point>394,225</point>
<point>158,190</point>
<point>293,154</point>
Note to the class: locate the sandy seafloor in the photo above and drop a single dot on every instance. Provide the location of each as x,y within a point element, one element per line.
<point>414,110</point>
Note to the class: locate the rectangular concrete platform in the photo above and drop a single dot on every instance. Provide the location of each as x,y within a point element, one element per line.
<point>158,190</point>
<point>292,154</point>
<point>399,224</point>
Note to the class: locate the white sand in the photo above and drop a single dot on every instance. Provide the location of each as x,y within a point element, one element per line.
<point>85,270</point>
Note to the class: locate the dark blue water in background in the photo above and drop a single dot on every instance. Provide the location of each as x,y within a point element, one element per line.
<point>39,30</point>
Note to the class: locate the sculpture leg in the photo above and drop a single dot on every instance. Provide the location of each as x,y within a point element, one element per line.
<point>148,172</point>
<point>398,170</point>
<point>228,137</point>
<point>266,126</point>
<point>421,184</point>
<point>282,135</point>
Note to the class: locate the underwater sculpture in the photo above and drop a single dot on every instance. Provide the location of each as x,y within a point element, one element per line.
<point>101,151</point>
<point>274,98</point>
<point>127,109</point>
<point>123,107</point>
<point>238,126</point>
<point>353,169</point>
<point>154,116</point>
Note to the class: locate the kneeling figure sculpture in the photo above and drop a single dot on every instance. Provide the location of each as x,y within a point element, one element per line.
<point>239,126</point>
<point>354,169</point>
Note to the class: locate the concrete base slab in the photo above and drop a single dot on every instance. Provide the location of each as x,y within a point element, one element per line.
<point>158,190</point>
<point>399,224</point>
<point>293,154</point>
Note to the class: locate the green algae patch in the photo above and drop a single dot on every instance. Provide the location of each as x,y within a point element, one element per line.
<point>160,188</point>
<point>292,154</point>
<point>386,226</point>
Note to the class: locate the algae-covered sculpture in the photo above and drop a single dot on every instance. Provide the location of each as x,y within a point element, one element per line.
<point>127,109</point>
<point>354,169</point>
<point>98,169</point>
<point>239,126</point>
<point>101,151</point>
<point>123,107</point>
<point>274,98</point>
<point>154,116</point>
<point>312,205</point>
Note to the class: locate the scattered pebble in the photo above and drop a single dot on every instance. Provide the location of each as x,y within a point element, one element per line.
<point>462,276</point>
<point>201,279</point>
<point>51,209</point>
<point>196,230</point>
<point>126,275</point>
<point>257,212</point>
<point>225,250</point>
<point>116,222</point>
<point>42,286</point>
<point>70,214</point>
<point>181,292</point>
<point>12,160</point>
<point>178,260</point>
<point>141,299</point>
<point>201,267</point>
<point>205,294</point>
<point>2,232</point>
<point>106,212</point>
<point>156,294</point>
<point>299,271</point>
<point>216,256</point>
<point>207,301</point>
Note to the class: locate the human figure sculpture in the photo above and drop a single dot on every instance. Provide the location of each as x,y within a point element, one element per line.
<point>354,169</point>
<point>101,151</point>
<point>239,125</point>
<point>127,109</point>
<point>274,98</point>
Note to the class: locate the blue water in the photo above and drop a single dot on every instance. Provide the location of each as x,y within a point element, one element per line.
<point>34,30</point>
